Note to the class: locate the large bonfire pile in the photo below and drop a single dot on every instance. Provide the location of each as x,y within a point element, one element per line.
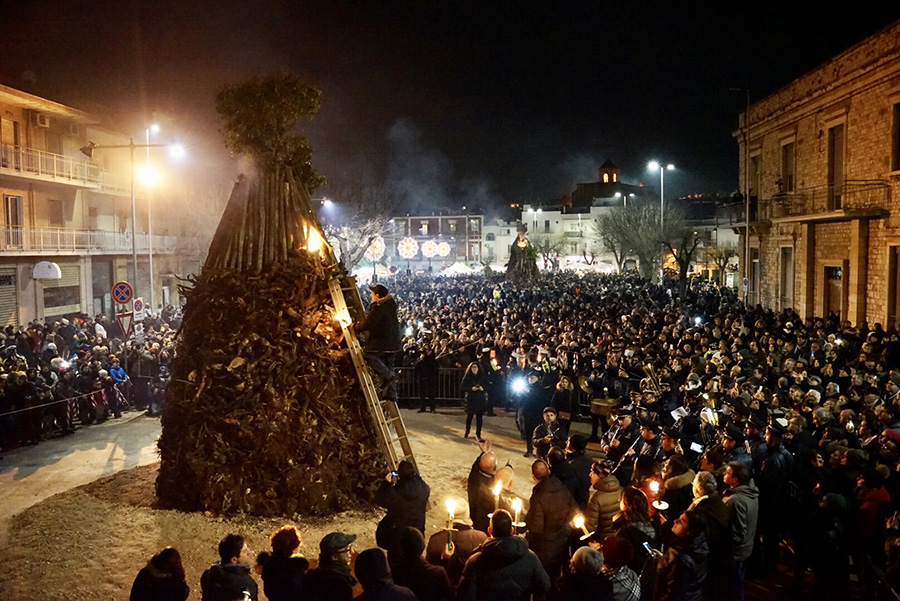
<point>263,412</point>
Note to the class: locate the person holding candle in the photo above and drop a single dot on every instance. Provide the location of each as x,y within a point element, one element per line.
<point>479,487</point>
<point>503,568</point>
<point>604,501</point>
<point>552,508</point>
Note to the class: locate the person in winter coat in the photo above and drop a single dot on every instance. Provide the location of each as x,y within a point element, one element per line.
<point>676,489</point>
<point>229,578</point>
<point>633,525</point>
<point>742,501</point>
<point>504,568</point>
<point>282,570</point>
<point>617,555</point>
<point>581,465</point>
<point>428,582</point>
<point>405,500</point>
<point>563,401</point>
<point>681,571</point>
<point>585,579</point>
<point>548,434</point>
<point>332,579</point>
<point>463,541</point>
<point>426,373</point>
<point>772,479</point>
<point>604,501</point>
<point>162,579</point>
<point>473,390</point>
<point>708,504</point>
<point>384,339</point>
<point>551,509</point>
<point>374,574</point>
<point>560,468</point>
<point>479,487</point>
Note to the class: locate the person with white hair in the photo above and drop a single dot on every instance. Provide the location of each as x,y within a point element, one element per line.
<point>585,579</point>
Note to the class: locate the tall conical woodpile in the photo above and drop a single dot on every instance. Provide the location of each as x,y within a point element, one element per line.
<point>263,413</point>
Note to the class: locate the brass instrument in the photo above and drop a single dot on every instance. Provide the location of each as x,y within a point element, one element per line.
<point>652,379</point>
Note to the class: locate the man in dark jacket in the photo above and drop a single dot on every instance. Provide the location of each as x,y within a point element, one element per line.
<point>428,582</point>
<point>332,579</point>
<point>504,569</point>
<point>480,486</point>
<point>384,339</point>
<point>375,577</point>
<point>551,508</point>
<point>773,482</point>
<point>406,501</point>
<point>229,578</point>
<point>581,464</point>
<point>742,501</point>
<point>708,504</point>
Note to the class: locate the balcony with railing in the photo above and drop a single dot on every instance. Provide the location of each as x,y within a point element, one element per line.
<point>58,168</point>
<point>54,241</point>
<point>831,202</point>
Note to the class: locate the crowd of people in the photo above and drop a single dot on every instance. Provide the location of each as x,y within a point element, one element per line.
<point>728,442</point>
<point>79,371</point>
<point>791,425</point>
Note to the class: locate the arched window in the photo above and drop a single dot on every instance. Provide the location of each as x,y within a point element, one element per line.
<point>490,237</point>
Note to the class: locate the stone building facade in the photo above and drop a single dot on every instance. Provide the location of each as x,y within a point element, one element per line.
<point>823,168</point>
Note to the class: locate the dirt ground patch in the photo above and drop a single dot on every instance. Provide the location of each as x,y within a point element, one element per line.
<point>90,542</point>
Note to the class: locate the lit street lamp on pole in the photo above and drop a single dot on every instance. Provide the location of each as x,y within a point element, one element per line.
<point>88,151</point>
<point>653,166</point>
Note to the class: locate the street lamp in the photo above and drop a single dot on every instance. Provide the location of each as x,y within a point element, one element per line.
<point>653,166</point>
<point>88,151</point>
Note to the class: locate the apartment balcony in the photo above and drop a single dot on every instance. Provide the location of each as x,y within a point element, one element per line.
<point>64,241</point>
<point>574,234</point>
<point>851,199</point>
<point>49,167</point>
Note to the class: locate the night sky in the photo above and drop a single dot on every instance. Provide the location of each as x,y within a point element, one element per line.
<point>481,103</point>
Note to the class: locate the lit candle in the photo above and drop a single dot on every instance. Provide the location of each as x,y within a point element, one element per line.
<point>497,488</point>
<point>654,486</point>
<point>579,523</point>
<point>451,509</point>
<point>517,507</point>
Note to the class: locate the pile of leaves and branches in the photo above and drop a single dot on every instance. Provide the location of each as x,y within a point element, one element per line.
<point>263,413</point>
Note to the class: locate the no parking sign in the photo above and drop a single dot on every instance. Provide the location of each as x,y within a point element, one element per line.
<point>122,292</point>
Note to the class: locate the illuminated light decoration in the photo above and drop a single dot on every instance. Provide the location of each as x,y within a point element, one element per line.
<point>376,249</point>
<point>408,248</point>
<point>429,248</point>
<point>443,249</point>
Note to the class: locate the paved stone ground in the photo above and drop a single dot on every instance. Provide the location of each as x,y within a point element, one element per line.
<point>30,474</point>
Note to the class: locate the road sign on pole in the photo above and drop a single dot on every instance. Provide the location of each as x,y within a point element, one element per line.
<point>125,320</point>
<point>122,292</point>
<point>139,309</point>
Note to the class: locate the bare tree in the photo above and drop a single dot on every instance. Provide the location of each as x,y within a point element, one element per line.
<point>611,231</point>
<point>680,240</point>
<point>362,212</point>
<point>549,247</point>
<point>721,253</point>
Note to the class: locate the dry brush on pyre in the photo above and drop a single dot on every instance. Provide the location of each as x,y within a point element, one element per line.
<point>263,413</point>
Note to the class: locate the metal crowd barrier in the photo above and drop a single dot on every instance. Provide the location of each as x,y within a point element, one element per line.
<point>449,379</point>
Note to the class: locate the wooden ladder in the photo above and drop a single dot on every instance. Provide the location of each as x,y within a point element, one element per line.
<point>391,431</point>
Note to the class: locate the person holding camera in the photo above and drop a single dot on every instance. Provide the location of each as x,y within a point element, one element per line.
<point>405,496</point>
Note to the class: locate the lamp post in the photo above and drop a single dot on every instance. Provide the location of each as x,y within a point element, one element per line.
<point>88,151</point>
<point>746,132</point>
<point>653,166</point>
<point>155,129</point>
